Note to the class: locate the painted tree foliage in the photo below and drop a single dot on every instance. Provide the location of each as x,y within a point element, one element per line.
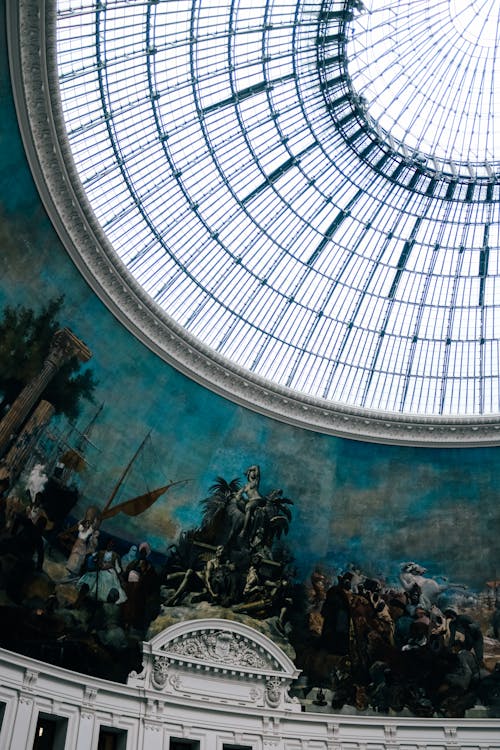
<point>25,336</point>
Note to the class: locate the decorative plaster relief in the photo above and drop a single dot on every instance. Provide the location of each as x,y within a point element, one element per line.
<point>30,680</point>
<point>222,648</point>
<point>216,660</point>
<point>176,682</point>
<point>89,696</point>
<point>160,671</point>
<point>151,726</point>
<point>160,715</point>
<point>274,692</point>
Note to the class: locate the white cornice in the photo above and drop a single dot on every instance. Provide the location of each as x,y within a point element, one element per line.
<point>31,36</point>
<point>83,699</point>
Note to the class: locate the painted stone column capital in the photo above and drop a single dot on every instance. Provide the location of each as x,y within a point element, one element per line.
<point>63,347</point>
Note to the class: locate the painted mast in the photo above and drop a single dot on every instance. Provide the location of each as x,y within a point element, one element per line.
<point>73,458</point>
<point>136,505</point>
<point>124,474</point>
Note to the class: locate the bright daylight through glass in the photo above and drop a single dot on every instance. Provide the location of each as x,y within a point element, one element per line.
<point>311,189</point>
<point>428,73</point>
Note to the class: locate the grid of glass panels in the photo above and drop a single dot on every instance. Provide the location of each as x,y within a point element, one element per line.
<point>429,78</point>
<point>206,145</point>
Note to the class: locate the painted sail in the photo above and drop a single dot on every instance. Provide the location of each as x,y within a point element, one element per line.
<point>137,505</point>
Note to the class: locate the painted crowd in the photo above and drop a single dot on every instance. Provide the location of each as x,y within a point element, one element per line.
<point>418,646</point>
<point>74,595</point>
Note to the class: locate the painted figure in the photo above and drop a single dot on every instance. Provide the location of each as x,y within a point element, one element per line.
<point>84,545</point>
<point>251,494</point>
<point>105,577</point>
<point>463,629</point>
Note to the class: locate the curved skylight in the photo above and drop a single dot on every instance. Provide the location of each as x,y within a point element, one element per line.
<point>265,172</point>
<point>429,77</point>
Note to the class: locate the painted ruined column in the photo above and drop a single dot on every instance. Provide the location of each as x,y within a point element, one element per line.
<point>63,347</point>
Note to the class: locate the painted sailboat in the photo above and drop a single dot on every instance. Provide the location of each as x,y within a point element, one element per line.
<point>73,459</point>
<point>133,506</point>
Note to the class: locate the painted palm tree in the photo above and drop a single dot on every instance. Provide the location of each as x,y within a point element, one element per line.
<point>218,514</point>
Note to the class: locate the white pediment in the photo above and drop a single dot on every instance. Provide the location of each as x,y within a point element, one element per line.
<point>217,659</point>
<point>217,643</point>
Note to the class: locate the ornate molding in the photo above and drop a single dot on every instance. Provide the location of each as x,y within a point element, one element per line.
<point>221,649</point>
<point>88,707</point>
<point>31,35</point>
<point>217,659</point>
<point>214,722</point>
<point>30,680</point>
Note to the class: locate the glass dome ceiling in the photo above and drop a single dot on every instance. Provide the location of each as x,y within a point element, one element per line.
<point>426,74</point>
<point>310,189</point>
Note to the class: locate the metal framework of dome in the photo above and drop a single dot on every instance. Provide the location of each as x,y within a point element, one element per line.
<point>308,189</point>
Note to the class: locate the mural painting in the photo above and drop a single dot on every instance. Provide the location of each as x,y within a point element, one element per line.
<point>77,594</point>
<point>132,498</point>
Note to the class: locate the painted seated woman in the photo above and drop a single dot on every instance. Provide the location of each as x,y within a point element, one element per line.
<point>106,576</point>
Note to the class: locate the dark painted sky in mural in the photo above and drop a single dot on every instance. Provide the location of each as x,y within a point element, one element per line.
<point>372,505</point>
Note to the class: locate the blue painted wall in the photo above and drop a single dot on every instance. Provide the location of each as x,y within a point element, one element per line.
<point>373,505</point>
